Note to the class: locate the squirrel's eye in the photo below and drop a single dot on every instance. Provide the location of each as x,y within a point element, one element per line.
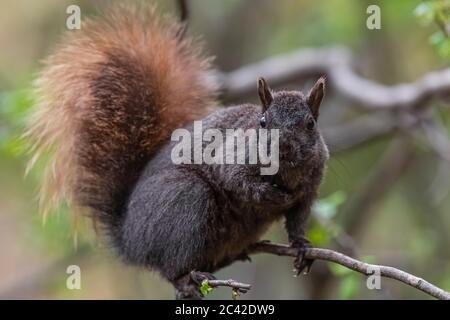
<point>262,121</point>
<point>311,124</point>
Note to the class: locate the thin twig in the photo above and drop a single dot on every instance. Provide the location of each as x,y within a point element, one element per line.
<point>238,286</point>
<point>353,264</point>
<point>184,10</point>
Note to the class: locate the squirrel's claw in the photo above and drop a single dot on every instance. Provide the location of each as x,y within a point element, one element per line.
<point>188,286</point>
<point>301,263</point>
<point>198,277</point>
<point>244,257</point>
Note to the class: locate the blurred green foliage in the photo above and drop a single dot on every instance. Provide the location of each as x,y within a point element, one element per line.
<point>56,233</point>
<point>437,12</point>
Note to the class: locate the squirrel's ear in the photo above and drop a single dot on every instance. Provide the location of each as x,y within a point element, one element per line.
<point>265,94</point>
<point>315,96</point>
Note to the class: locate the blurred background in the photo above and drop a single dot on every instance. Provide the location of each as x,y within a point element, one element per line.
<point>385,198</point>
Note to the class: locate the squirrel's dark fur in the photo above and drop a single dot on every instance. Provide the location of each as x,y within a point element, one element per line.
<point>111,97</point>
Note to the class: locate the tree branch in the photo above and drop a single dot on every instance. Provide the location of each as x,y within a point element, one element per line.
<point>361,130</point>
<point>353,264</point>
<point>335,63</point>
<point>401,100</point>
<point>238,286</point>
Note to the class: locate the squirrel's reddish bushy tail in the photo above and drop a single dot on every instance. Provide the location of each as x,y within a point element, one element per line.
<point>109,97</point>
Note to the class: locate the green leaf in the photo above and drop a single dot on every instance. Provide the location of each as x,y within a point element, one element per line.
<point>205,288</point>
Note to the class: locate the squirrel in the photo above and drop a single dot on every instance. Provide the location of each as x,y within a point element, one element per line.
<point>110,97</point>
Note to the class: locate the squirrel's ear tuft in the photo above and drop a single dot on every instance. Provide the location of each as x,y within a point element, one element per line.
<point>315,96</point>
<point>265,94</point>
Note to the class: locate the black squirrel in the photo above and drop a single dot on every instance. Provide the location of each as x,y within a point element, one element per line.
<point>110,98</point>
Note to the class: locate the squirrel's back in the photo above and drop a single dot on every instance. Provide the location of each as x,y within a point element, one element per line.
<point>109,98</point>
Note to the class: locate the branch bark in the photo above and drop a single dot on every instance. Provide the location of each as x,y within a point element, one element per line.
<point>238,286</point>
<point>353,264</point>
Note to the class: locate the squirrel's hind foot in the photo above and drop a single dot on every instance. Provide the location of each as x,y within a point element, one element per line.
<point>188,286</point>
<point>301,263</point>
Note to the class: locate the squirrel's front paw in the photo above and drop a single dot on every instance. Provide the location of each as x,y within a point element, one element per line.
<point>301,262</point>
